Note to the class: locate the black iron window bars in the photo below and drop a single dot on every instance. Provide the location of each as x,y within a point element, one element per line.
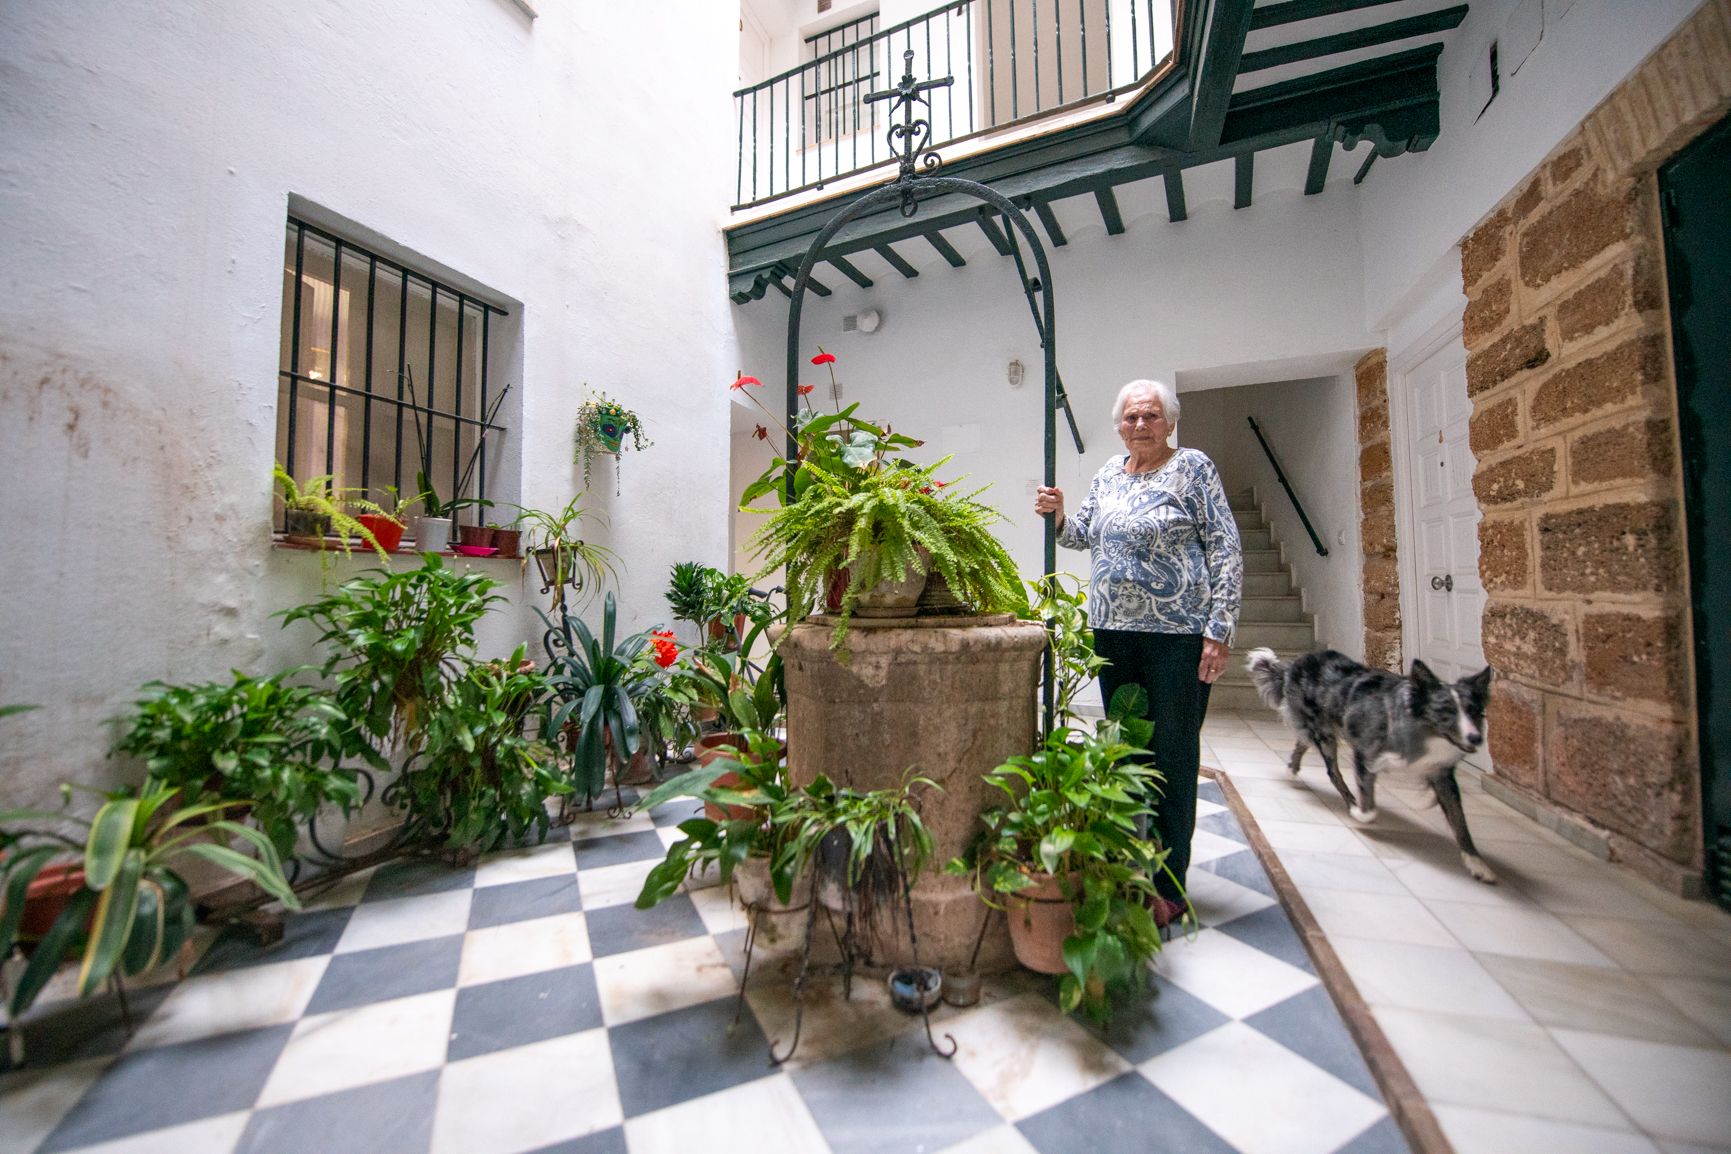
<point>384,371</point>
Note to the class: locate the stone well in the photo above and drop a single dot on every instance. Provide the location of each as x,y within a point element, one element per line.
<point>945,697</point>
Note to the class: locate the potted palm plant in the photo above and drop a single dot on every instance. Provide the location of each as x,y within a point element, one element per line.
<point>1064,858</point>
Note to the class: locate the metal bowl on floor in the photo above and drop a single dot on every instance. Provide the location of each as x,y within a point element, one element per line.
<point>915,988</point>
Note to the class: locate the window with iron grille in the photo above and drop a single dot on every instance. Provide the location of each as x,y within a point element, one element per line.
<point>384,373</point>
<point>833,94</point>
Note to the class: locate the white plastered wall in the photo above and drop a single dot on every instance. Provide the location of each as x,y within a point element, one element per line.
<point>147,156</point>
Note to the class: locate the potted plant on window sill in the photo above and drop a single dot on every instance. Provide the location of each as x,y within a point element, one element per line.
<point>314,513</point>
<point>1063,857</point>
<point>388,520</point>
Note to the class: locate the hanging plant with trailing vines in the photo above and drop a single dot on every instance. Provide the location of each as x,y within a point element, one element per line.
<point>602,426</point>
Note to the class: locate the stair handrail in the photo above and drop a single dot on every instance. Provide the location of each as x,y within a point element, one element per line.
<point>1280,475</point>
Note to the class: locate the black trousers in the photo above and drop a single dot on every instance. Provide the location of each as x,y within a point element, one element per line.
<point>1164,664</point>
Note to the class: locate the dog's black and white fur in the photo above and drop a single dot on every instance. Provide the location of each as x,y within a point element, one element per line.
<point>1391,722</point>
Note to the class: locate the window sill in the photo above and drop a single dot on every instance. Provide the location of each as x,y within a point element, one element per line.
<point>357,549</point>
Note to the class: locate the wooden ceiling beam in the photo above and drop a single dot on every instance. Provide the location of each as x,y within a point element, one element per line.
<point>1273,15</point>
<point>1109,213</point>
<point>1431,22</point>
<point>1321,152</point>
<point>895,261</point>
<point>1175,210</point>
<point>945,248</point>
<point>1243,173</point>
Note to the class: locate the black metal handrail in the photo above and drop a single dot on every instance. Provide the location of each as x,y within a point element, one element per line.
<point>1013,61</point>
<point>1280,475</point>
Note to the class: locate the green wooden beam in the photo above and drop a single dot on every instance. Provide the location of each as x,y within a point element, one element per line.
<point>1227,24</point>
<point>1175,210</point>
<point>895,261</point>
<point>1109,211</point>
<point>1364,169</point>
<point>811,283</point>
<point>847,269</point>
<point>1321,153</point>
<point>1244,167</point>
<point>1050,220</point>
<point>1391,100</point>
<point>1272,15</point>
<point>782,285</point>
<point>945,249</point>
<point>1439,21</point>
<point>993,232</point>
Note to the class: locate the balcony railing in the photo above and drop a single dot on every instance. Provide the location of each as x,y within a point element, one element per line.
<point>1012,60</point>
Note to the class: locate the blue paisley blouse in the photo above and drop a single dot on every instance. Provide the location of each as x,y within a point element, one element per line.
<point>1166,556</point>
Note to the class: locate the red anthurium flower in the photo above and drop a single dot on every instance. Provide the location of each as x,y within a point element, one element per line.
<point>805,390</point>
<point>744,381</point>
<point>666,652</point>
<point>760,433</point>
<point>824,359</point>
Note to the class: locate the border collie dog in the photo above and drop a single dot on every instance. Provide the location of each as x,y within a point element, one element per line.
<point>1390,722</point>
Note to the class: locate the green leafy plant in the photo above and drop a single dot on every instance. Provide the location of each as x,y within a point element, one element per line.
<point>597,681</point>
<point>396,642</point>
<point>1060,601</point>
<point>318,499</point>
<point>255,740</point>
<point>715,601</point>
<point>134,911</point>
<point>602,426</point>
<point>743,698</point>
<point>876,526</point>
<point>1073,811</point>
<point>563,557</point>
<point>482,778</point>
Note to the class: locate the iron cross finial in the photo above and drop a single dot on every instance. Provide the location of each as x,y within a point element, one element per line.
<point>911,137</point>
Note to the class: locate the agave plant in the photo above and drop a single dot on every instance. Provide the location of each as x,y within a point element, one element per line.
<point>597,683</point>
<point>134,911</point>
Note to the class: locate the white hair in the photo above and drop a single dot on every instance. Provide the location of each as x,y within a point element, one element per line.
<point>1166,393</point>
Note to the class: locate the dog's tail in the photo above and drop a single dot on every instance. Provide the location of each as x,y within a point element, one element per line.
<point>1268,672</point>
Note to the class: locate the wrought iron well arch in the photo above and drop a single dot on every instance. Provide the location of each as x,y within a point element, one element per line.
<point>910,141</point>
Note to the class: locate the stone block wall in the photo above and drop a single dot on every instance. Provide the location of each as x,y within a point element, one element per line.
<point>1376,514</point>
<point>1573,427</point>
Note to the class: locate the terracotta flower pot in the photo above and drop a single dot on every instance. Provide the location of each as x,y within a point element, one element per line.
<point>47,896</point>
<point>1040,919</point>
<point>388,533</point>
<point>478,536</point>
<point>509,542</point>
<point>711,748</point>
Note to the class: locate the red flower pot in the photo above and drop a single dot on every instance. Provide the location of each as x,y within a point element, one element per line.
<point>47,896</point>
<point>388,533</point>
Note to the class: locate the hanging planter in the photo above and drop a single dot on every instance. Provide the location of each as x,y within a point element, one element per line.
<point>602,426</point>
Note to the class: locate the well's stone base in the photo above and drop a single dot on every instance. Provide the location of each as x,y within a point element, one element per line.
<point>945,698</point>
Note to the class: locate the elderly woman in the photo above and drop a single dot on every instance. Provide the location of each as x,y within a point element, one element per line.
<point>1163,600</point>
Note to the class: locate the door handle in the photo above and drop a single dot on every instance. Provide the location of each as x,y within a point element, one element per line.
<point>1446,583</point>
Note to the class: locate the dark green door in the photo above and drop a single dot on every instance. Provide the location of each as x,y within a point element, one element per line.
<point>1696,188</point>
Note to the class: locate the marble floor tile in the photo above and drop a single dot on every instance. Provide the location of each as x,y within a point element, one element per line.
<point>619,848</point>
<point>1515,932</point>
<point>1300,1109</point>
<point>1205,847</point>
<point>1270,931</point>
<point>519,901</point>
<point>1001,1139</point>
<point>1358,873</point>
<point>1243,869</point>
<point>1234,978</point>
<point>1704,1001</point>
<point>217,1135</point>
<point>345,891</point>
<point>1450,882</point>
<point>1513,1067</point>
<point>831,1025</point>
<point>518,948</point>
<point>519,1011</point>
<point>1473,1131</point>
<point>552,859</point>
<point>686,1054</point>
<point>355,1047</point>
<point>1677,1092</point>
<point>388,972</point>
<point>892,1096</point>
<point>414,877</point>
<point>619,929</point>
<point>643,983</point>
<point>1604,1001</point>
<point>1592,890</point>
<point>1377,917</point>
<point>594,824</point>
<point>1217,899</point>
<point>1655,948</point>
<point>1310,837</point>
<point>1310,1025</point>
<point>1128,1115</point>
<point>1167,1019</point>
<point>411,919</point>
<point>617,885</point>
<point>1024,1056</point>
<point>1442,979</point>
<point>719,909</point>
<point>244,999</point>
<point>525,1098</point>
<point>766,1116</point>
<point>33,1101</point>
<point>393,1117</point>
<point>305,935</point>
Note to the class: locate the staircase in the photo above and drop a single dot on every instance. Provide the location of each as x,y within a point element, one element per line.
<point>1272,613</point>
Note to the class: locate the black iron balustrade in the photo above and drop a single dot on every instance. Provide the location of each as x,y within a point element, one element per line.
<point>1011,61</point>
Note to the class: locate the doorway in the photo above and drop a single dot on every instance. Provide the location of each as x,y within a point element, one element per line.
<point>1697,225</point>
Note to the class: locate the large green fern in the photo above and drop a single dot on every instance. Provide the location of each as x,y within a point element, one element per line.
<point>876,526</point>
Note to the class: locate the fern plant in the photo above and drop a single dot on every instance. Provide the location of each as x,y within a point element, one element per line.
<point>317,497</point>
<point>876,525</point>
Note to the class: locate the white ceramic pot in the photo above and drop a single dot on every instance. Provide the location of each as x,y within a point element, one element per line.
<point>432,534</point>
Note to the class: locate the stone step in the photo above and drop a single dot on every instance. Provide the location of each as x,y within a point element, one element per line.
<point>1276,635</point>
<point>1272,609</point>
<point>1229,695</point>
<point>1263,561</point>
<point>1248,519</point>
<point>1267,584</point>
<point>1255,538</point>
<point>1244,499</point>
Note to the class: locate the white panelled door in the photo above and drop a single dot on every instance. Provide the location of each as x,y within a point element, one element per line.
<point>1442,568</point>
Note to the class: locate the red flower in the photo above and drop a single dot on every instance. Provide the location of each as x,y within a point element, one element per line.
<point>760,433</point>
<point>805,390</point>
<point>666,652</point>
<point>824,359</point>
<point>744,381</point>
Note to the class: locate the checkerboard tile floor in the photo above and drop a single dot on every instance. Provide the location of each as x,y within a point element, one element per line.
<point>525,1005</point>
